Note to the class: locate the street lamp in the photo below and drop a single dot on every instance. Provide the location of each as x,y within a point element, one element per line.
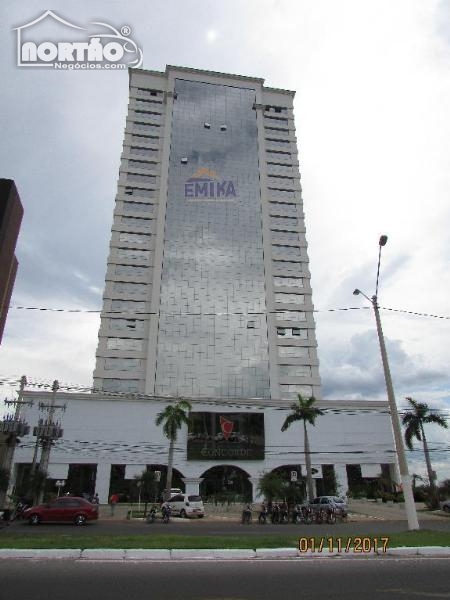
<point>410,506</point>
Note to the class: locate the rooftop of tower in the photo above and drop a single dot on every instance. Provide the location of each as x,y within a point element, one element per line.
<point>169,68</point>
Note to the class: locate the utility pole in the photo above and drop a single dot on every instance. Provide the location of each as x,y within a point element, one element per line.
<point>47,432</point>
<point>13,426</point>
<point>411,512</point>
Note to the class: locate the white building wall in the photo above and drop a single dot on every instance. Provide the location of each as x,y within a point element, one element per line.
<point>102,430</point>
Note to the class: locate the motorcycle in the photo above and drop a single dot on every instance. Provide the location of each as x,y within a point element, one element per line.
<point>302,514</point>
<point>262,517</point>
<point>151,516</point>
<point>165,510</point>
<point>246,515</point>
<point>275,514</point>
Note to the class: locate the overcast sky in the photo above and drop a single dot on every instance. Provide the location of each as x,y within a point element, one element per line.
<point>372,118</point>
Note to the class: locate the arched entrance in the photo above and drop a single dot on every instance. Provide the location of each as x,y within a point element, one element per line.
<point>226,483</point>
<point>127,489</point>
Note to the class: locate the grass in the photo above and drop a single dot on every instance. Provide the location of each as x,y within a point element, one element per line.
<point>7,540</point>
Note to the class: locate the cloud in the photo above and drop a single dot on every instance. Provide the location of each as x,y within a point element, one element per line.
<point>355,371</point>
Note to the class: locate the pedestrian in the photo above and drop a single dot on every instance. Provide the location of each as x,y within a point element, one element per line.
<point>113,501</point>
<point>95,499</point>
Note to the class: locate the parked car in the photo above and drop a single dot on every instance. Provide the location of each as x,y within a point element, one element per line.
<point>68,508</point>
<point>187,505</point>
<point>338,504</point>
<point>445,505</point>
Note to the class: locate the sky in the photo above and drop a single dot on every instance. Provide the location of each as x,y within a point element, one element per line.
<point>372,81</point>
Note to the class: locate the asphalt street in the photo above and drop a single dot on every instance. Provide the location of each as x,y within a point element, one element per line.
<point>204,527</point>
<point>316,579</point>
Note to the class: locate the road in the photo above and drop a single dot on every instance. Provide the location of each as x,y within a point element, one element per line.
<point>211,527</point>
<point>315,579</point>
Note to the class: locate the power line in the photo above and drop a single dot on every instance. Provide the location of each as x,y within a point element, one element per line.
<point>221,313</point>
<point>239,403</point>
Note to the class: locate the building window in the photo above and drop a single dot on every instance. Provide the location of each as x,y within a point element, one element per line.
<point>292,332</point>
<point>136,222</point>
<point>141,164</point>
<point>285,236</point>
<point>137,207</point>
<point>130,271</point>
<point>126,325</point>
<point>288,281</point>
<point>287,266</point>
<point>295,370</point>
<point>121,385</point>
<point>289,298</point>
<point>134,238</point>
<point>132,254</point>
<point>290,252</point>
<point>122,364</point>
<point>124,287</point>
<point>125,306</point>
<point>116,343</point>
<point>136,178</point>
<point>293,351</point>
<point>290,315</point>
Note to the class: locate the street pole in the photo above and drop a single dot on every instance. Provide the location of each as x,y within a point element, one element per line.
<point>47,440</point>
<point>13,427</point>
<point>410,505</point>
<point>405,477</point>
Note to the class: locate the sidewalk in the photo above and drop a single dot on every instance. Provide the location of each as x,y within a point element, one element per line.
<point>394,512</point>
<point>359,510</point>
<point>137,554</point>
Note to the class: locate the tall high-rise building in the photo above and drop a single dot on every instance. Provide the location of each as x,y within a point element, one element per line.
<point>11,213</point>
<point>208,285</point>
<point>208,297</point>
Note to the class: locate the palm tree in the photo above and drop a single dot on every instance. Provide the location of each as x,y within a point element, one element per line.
<point>172,418</point>
<point>414,421</point>
<point>304,410</point>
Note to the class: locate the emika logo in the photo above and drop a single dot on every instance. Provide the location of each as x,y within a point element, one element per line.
<point>206,185</point>
<point>227,427</point>
<point>103,51</point>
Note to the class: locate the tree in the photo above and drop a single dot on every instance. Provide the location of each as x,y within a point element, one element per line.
<point>414,420</point>
<point>272,486</point>
<point>304,410</point>
<point>172,418</point>
<point>147,487</point>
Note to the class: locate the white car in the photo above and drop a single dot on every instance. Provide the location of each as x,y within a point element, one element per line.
<point>187,505</point>
<point>445,505</point>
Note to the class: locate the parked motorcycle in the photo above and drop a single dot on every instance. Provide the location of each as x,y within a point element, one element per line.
<point>247,515</point>
<point>302,514</point>
<point>262,517</point>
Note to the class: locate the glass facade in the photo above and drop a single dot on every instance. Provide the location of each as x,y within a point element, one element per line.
<point>213,270</point>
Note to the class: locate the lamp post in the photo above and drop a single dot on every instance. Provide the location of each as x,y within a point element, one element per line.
<point>410,506</point>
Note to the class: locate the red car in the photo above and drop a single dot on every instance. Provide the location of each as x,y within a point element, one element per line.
<point>68,508</point>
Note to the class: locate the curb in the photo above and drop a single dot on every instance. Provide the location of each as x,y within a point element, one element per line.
<point>141,554</point>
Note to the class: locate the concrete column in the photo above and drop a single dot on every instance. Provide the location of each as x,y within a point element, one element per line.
<point>102,482</point>
<point>340,472</point>
<point>256,497</point>
<point>192,485</point>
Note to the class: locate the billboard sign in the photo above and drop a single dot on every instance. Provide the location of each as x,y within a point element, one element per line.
<point>225,436</point>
